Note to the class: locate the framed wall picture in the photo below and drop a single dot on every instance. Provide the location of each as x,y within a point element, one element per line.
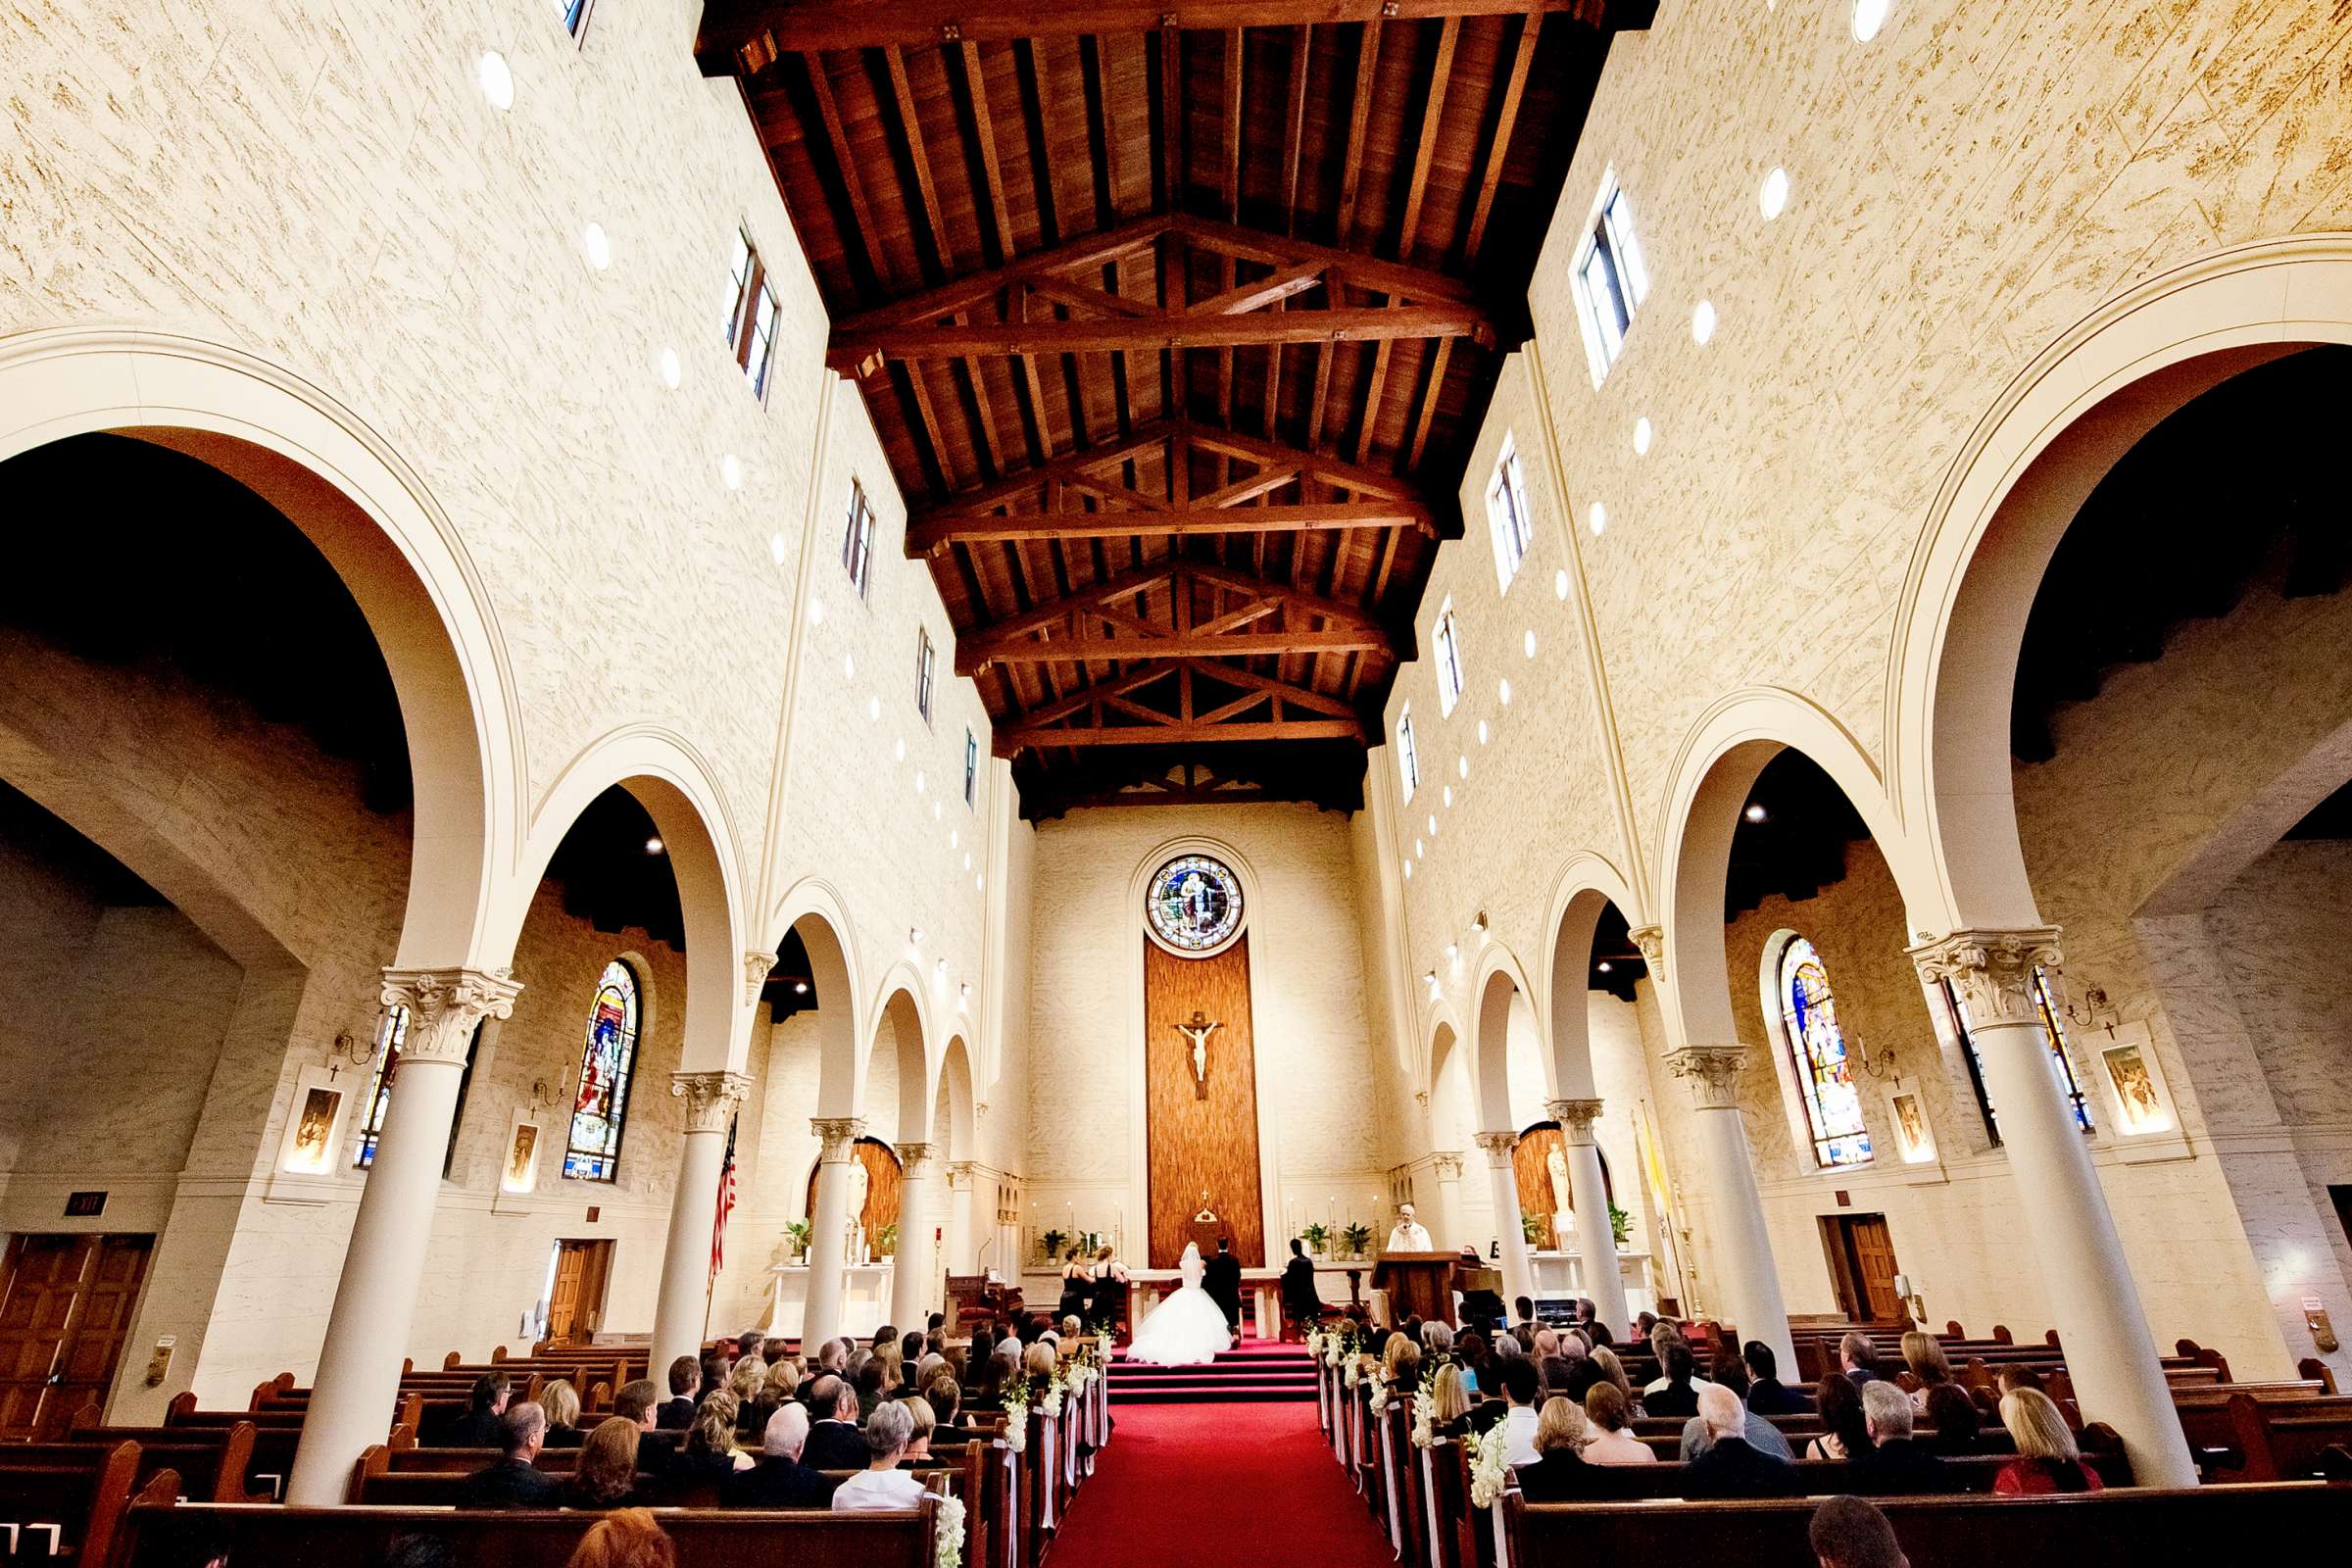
<point>520,1170</point>
<point>315,1124</point>
<point>2140,1104</point>
<point>1912,1138</point>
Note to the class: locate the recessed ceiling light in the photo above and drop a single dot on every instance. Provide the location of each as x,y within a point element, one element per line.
<point>496,79</point>
<point>849,667</point>
<point>1418,851</point>
<point>1755,814</point>
<point>1528,642</point>
<point>775,548</point>
<point>653,846</point>
<point>1461,764</point>
<point>873,708</point>
<point>1433,825</point>
<point>1502,690</point>
<point>665,365</point>
<point>1642,436</point>
<point>1597,519</point>
<point>730,471</point>
<point>800,988</point>
<point>1602,967</point>
<point>1773,198</point>
<point>1448,795</point>
<point>1703,322</point>
<point>1409,870</point>
<point>1482,732</point>
<point>918,781</point>
<point>1559,584</point>
<point>599,246</point>
<point>1869,17</point>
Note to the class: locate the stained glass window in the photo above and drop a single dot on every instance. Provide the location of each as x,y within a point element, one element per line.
<point>391,1039</point>
<point>600,1110</point>
<point>2062,1066</point>
<point>1824,1071</point>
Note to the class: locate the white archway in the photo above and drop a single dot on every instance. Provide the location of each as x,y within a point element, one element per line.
<point>1588,885</point>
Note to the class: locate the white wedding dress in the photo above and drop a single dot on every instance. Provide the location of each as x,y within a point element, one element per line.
<point>1188,1329</point>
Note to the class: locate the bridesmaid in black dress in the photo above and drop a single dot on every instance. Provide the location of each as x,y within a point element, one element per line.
<point>1077,1289</point>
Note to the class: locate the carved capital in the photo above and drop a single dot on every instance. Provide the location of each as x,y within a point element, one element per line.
<point>960,1175</point>
<point>1991,971</point>
<point>710,1097</point>
<point>1421,1097</point>
<point>756,970</point>
<point>1448,1167</point>
<point>1651,940</point>
<point>1499,1145</point>
<point>1712,1072</point>
<point>1576,1118</point>
<point>915,1159</point>
<point>835,1135</point>
<point>444,1006</point>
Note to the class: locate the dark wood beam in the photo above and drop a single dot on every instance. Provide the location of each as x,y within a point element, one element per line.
<point>1028,737</point>
<point>1160,644</point>
<point>861,354</point>
<point>941,530</point>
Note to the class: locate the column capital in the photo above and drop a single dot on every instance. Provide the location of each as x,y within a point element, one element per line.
<point>1651,940</point>
<point>1421,1097</point>
<point>1499,1145</point>
<point>835,1134</point>
<point>1446,1165</point>
<point>710,1097</point>
<point>1576,1118</point>
<point>756,970</point>
<point>961,1173</point>
<point>1712,1072</point>
<point>911,1156</point>
<point>1991,970</point>
<point>444,1006</point>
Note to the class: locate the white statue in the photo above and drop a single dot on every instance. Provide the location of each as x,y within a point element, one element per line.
<point>1563,1217</point>
<point>1198,1032</point>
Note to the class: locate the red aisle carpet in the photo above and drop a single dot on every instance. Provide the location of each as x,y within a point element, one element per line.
<point>1186,1485</point>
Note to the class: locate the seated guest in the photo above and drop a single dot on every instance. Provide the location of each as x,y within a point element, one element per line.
<point>562,1402</point>
<point>1893,1465</point>
<point>635,1403</point>
<point>1851,1532</point>
<point>783,1382</point>
<point>870,1381</point>
<point>628,1540</point>
<point>1840,1402</point>
<point>779,1480</point>
<point>1559,1473</point>
<point>1523,1319</point>
<point>1731,1468</point>
<point>836,1443</point>
<point>708,1452</point>
<point>910,1347</point>
<point>947,1409</point>
<point>1544,1347</point>
<point>2018,1376</point>
<point>1607,1414</point>
<point>1518,1424</point>
<point>1857,1358</point>
<point>984,1385</point>
<point>1437,1339</point>
<point>479,1424</point>
<point>1660,1337</point>
<point>1558,1372</point>
<point>1039,1360</point>
<point>1767,1394</point>
<point>2047,1459</point>
<point>1449,1404</point>
<point>606,1476</point>
<point>676,1412</point>
<point>772,1350</point>
<point>748,1382</point>
<point>1761,1435</point>
<point>918,1436</point>
<point>1953,1420</point>
<point>1643,1324</point>
<point>882,1484</point>
<point>515,1481</point>
<point>1925,1359</point>
<point>747,1343</point>
<point>1611,1370</point>
<point>1674,1393</point>
<point>1401,1362</point>
<point>713,1375</point>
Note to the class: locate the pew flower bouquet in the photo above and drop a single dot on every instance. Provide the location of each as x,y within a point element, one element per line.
<point>1016,1416</point>
<point>1486,1469</point>
<point>1102,1346</point>
<point>1379,1405</point>
<point>950,1551</point>
<point>1425,1415</point>
<point>1050,1403</point>
<point>1352,1375</point>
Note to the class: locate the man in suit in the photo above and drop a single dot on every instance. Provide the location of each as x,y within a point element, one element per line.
<point>514,1481</point>
<point>676,1414</point>
<point>1893,1465</point>
<point>1767,1394</point>
<point>1762,1436</point>
<point>838,1442</point>
<point>1857,1358</point>
<point>1301,1302</point>
<point>1221,1278</point>
<point>635,1403</point>
<point>780,1480</point>
<point>480,1425</point>
<point>1730,1467</point>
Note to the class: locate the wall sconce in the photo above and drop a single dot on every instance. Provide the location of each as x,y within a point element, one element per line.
<point>1881,1067</point>
<point>2095,1013</point>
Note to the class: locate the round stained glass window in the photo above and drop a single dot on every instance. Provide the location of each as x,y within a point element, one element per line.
<point>1194,906</point>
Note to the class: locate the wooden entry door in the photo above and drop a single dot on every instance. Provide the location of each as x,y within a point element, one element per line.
<point>1862,1265</point>
<point>64,1311</point>
<point>576,1307</point>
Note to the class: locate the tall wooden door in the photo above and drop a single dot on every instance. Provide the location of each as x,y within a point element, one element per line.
<point>65,1309</point>
<point>1862,1265</point>
<point>577,1308</point>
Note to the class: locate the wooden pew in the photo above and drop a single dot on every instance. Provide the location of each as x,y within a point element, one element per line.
<point>2285,1439</point>
<point>2146,1528</point>
<point>350,1537</point>
<point>78,1497</point>
<point>1826,1478</point>
<point>212,1462</point>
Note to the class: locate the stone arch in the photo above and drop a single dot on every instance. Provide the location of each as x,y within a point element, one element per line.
<point>1503,996</point>
<point>814,909</point>
<point>902,1026</point>
<point>689,812</point>
<point>1587,886</point>
<point>955,1127</point>
<point>387,537</point>
<point>2009,498</point>
<point>1451,1116</point>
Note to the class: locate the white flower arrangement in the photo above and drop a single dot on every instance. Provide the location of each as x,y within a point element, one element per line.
<point>1016,1420</point>
<point>1424,1417</point>
<point>1051,1404</point>
<point>1352,1375</point>
<point>1486,1469</point>
<point>1102,1346</point>
<point>950,1552</point>
<point>1378,1404</point>
<point>1315,1339</point>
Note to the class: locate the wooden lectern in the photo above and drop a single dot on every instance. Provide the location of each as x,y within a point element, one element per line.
<point>1419,1284</point>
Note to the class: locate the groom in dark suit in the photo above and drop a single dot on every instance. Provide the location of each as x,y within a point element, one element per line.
<point>1221,1278</point>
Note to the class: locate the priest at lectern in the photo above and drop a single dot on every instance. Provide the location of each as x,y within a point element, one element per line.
<point>1411,1235</point>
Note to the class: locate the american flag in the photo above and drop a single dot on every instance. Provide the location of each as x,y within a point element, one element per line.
<point>727,1205</point>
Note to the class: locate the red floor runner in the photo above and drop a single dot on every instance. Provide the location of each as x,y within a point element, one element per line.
<point>1186,1485</point>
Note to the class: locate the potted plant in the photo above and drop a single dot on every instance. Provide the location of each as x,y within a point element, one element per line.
<point>1316,1236</point>
<point>886,1240</point>
<point>796,1235</point>
<point>1050,1243</point>
<point>1357,1237</point>
<point>1532,1225</point>
<point>1621,1224</point>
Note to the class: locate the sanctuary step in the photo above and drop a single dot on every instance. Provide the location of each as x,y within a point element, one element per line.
<point>1259,1371</point>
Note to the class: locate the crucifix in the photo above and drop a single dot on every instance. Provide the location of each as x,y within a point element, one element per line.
<point>1198,1032</point>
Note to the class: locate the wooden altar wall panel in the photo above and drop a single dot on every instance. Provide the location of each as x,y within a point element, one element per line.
<point>882,1178</point>
<point>1197,1142</point>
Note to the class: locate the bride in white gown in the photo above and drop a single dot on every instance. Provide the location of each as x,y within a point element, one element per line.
<point>1186,1329</point>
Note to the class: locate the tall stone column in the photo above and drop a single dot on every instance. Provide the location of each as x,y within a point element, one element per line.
<point>916,1265</point>
<point>959,1220</point>
<point>1747,1289</point>
<point>1518,1268</point>
<point>828,1228</point>
<point>682,1310</point>
<point>368,1331</point>
<point>1451,1230</point>
<point>1596,1239</point>
<point>2109,1353</point>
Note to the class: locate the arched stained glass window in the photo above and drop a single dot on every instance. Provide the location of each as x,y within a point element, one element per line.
<point>391,1039</point>
<point>600,1110</point>
<point>1809,1019</point>
<point>2062,1066</point>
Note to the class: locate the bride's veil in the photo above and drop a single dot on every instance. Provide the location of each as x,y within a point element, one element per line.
<point>1192,1255</point>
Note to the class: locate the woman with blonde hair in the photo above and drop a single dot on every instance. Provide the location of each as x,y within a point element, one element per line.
<point>1559,1473</point>
<point>1401,1362</point>
<point>1039,1360</point>
<point>919,1440</point>
<point>1608,1413</point>
<point>1614,1370</point>
<point>562,1402</point>
<point>1450,1403</point>
<point>606,1476</point>
<point>1924,1355</point>
<point>628,1540</point>
<point>894,1367</point>
<point>708,1452</point>
<point>2047,1459</point>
